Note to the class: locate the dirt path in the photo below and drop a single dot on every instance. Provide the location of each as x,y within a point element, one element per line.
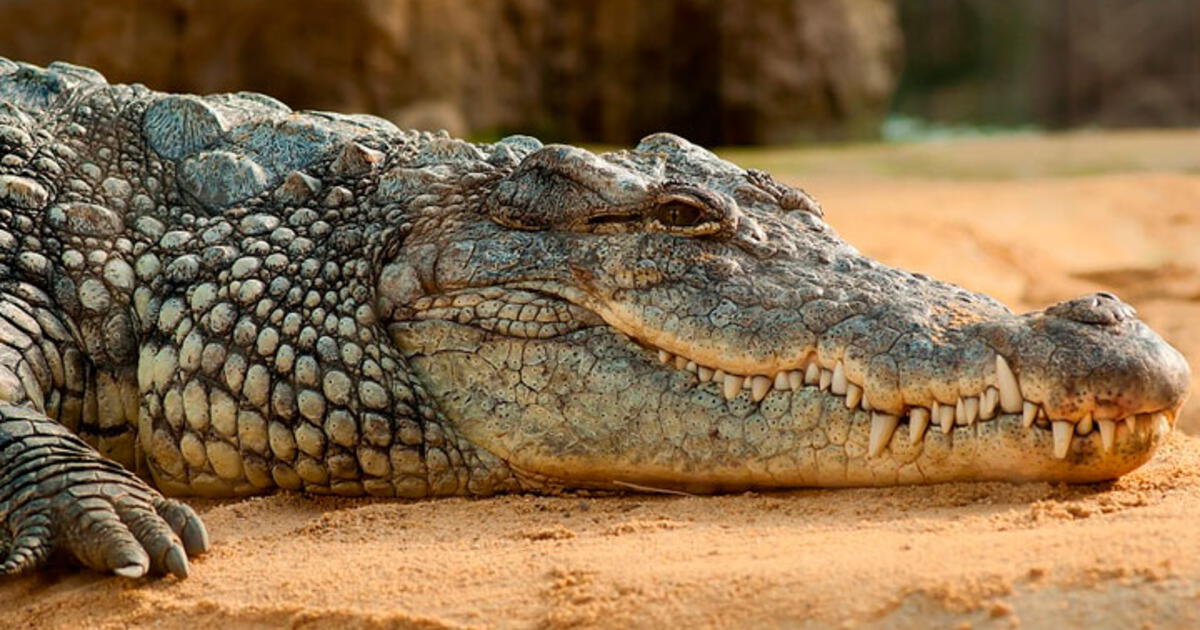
<point>1121,555</point>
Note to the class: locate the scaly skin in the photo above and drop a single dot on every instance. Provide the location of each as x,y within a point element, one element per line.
<point>229,297</point>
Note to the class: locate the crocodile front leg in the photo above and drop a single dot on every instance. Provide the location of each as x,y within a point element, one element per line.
<point>57,493</point>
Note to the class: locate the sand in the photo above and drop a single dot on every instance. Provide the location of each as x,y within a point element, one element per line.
<point>1118,555</point>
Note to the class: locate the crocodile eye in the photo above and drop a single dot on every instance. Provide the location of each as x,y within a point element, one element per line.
<point>678,214</point>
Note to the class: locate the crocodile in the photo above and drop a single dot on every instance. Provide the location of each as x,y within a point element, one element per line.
<point>219,296</point>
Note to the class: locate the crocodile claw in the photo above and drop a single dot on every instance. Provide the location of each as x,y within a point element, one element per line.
<point>133,534</point>
<point>71,500</point>
<point>176,562</point>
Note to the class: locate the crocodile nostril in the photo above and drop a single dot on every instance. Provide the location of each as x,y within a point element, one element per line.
<point>1101,308</point>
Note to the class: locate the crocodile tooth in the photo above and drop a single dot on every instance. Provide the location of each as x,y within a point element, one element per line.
<point>691,366</point>
<point>945,416</point>
<point>1108,431</point>
<point>781,382</point>
<point>759,387</point>
<point>971,404</point>
<point>826,379</point>
<point>812,375</point>
<point>882,427</point>
<point>987,403</point>
<point>1161,424</point>
<point>918,420</point>
<point>795,379</point>
<point>960,413</point>
<point>664,356</point>
<point>680,363</point>
<point>733,386</point>
<point>1063,432</point>
<point>853,395</point>
<point>1030,412</point>
<point>866,402</point>
<point>1084,427</point>
<point>1006,382</point>
<point>1144,423</point>
<point>838,384</point>
<point>1131,423</point>
<point>705,373</point>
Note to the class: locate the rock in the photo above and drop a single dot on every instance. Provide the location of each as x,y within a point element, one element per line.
<point>716,72</point>
<point>1112,64</point>
<point>431,115</point>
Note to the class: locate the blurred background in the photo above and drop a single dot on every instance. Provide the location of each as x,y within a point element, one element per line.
<point>1034,150</point>
<point>611,71</point>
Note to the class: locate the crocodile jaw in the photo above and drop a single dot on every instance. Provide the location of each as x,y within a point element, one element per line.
<point>567,385</point>
<point>596,408</point>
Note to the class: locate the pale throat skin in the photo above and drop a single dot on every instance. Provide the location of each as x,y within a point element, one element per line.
<point>228,297</point>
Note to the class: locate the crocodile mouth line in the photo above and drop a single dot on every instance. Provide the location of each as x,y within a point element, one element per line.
<point>541,310</point>
<point>1003,397</point>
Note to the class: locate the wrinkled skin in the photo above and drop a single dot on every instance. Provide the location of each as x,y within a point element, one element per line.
<point>230,297</point>
<point>755,283</point>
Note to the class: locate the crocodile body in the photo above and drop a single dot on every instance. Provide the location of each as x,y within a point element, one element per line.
<point>219,296</point>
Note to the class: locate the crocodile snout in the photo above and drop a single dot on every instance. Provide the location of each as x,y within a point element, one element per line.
<point>1091,357</point>
<point>1101,309</point>
<point>1128,367</point>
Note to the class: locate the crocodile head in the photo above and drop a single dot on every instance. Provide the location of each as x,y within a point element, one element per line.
<point>661,317</point>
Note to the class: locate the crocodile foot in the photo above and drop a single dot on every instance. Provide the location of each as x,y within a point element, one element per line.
<point>58,496</point>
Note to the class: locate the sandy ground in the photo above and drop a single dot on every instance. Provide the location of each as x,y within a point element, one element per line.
<point>1123,214</point>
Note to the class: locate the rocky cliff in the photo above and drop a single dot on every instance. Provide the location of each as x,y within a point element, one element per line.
<point>755,71</point>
